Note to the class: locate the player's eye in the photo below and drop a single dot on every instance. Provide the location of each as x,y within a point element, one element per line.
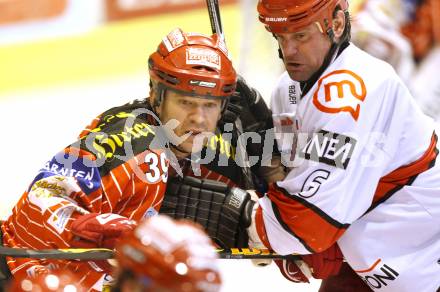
<point>301,36</point>
<point>184,102</point>
<point>211,105</point>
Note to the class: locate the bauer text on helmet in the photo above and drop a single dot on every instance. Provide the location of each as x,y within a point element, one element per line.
<point>289,16</point>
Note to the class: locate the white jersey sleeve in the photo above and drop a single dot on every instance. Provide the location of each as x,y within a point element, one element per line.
<point>353,130</point>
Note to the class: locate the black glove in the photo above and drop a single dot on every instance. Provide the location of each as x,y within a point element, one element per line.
<point>249,94</point>
<point>224,212</point>
<point>248,105</point>
<point>233,109</point>
<point>255,116</point>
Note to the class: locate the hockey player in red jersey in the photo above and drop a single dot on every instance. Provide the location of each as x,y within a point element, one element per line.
<point>97,189</point>
<point>166,255</point>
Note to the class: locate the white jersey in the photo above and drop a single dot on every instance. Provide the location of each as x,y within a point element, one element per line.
<point>363,173</point>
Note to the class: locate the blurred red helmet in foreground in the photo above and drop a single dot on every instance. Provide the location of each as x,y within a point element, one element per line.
<point>170,254</point>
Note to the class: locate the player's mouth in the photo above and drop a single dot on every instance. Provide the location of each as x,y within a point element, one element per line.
<point>294,66</point>
<point>193,133</point>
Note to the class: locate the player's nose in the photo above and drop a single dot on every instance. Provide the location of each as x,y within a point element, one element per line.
<point>197,116</point>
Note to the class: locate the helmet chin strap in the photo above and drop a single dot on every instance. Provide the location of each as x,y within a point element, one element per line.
<point>180,151</point>
<point>329,58</point>
<point>335,49</point>
<point>160,95</point>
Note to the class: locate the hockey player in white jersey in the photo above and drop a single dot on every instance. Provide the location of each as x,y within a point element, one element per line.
<point>362,155</point>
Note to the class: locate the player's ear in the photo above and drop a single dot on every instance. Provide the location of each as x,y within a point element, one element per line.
<point>338,23</point>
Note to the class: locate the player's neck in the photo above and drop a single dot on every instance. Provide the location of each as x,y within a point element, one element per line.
<point>180,154</point>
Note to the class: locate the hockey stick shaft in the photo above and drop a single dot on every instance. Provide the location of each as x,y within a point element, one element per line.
<point>250,253</point>
<point>67,254</point>
<point>214,17</point>
<point>103,254</point>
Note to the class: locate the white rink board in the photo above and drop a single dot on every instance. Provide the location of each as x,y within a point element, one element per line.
<point>35,125</point>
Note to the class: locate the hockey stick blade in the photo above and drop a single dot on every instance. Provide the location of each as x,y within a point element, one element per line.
<point>103,253</point>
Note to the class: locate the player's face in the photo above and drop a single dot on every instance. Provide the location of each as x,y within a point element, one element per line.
<point>303,51</point>
<point>195,115</point>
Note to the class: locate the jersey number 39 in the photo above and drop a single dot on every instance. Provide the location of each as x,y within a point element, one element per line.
<point>156,171</point>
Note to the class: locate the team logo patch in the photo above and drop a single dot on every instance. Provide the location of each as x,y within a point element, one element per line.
<point>313,183</point>
<point>174,40</point>
<point>83,170</point>
<point>340,91</point>
<point>329,148</point>
<point>275,19</point>
<point>149,213</point>
<point>378,275</point>
<point>293,95</point>
<point>236,198</point>
<point>286,122</point>
<point>202,83</point>
<point>203,57</point>
<point>60,217</point>
<point>35,270</point>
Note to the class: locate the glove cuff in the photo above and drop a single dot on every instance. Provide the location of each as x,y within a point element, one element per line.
<point>257,231</point>
<point>304,268</point>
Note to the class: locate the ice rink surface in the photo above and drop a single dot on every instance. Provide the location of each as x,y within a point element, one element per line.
<point>35,125</point>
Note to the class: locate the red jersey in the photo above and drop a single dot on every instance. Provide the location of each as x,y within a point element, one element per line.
<point>110,169</point>
<point>118,165</point>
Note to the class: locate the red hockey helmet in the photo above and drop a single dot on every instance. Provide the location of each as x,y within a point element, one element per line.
<point>194,64</point>
<point>55,281</point>
<point>280,16</point>
<point>170,254</point>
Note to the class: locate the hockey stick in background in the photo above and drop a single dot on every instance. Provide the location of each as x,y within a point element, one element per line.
<point>216,27</point>
<point>88,254</point>
<point>214,17</point>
